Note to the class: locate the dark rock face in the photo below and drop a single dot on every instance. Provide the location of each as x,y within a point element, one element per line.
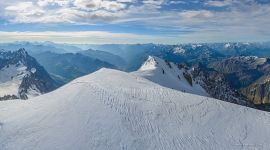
<point>217,86</point>
<point>188,78</point>
<point>8,97</point>
<point>249,75</point>
<point>241,71</point>
<point>35,78</point>
<point>259,92</point>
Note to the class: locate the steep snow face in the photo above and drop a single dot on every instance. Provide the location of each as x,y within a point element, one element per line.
<point>115,110</point>
<point>169,75</point>
<point>11,78</point>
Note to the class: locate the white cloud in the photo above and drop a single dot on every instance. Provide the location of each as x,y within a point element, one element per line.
<point>156,4</point>
<point>67,11</point>
<point>102,37</point>
<point>99,4</point>
<point>43,3</point>
<point>87,37</point>
<point>113,5</point>
<point>216,3</point>
<point>239,17</point>
<point>176,2</point>
<point>24,12</point>
<point>88,5</point>
<point>153,2</point>
<point>126,1</point>
<point>202,14</point>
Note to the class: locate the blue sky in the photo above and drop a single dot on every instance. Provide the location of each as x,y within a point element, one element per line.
<point>135,21</point>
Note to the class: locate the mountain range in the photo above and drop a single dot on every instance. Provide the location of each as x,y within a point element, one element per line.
<point>233,72</point>
<point>180,97</point>
<point>68,66</point>
<point>21,76</point>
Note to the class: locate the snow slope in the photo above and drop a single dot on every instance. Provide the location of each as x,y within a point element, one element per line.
<point>115,110</point>
<point>11,78</point>
<point>169,75</point>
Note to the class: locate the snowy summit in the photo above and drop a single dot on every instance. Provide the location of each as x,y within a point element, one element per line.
<point>111,109</point>
<point>170,75</point>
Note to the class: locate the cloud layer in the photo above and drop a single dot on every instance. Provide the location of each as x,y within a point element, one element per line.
<point>85,37</point>
<point>168,17</point>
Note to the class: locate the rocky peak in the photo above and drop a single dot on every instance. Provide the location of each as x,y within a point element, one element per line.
<point>217,86</point>
<point>22,52</point>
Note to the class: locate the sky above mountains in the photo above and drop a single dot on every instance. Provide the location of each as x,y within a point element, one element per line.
<point>134,21</point>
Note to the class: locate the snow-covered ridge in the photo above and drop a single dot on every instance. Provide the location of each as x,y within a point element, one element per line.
<point>115,110</point>
<point>169,75</point>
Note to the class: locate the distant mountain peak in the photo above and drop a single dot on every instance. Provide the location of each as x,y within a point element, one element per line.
<point>21,76</point>
<point>22,51</point>
<point>150,63</point>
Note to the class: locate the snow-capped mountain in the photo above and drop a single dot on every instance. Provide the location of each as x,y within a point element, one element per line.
<point>242,49</point>
<point>110,109</point>
<point>197,80</point>
<point>21,76</point>
<point>170,75</point>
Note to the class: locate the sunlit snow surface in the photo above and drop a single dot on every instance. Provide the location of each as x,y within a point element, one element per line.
<point>119,111</point>
<point>169,75</point>
<point>11,78</point>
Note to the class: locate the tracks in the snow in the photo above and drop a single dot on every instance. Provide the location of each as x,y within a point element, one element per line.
<point>144,111</point>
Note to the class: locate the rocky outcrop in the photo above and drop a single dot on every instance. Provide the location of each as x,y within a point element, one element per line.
<point>247,74</point>
<point>241,71</point>
<point>259,92</point>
